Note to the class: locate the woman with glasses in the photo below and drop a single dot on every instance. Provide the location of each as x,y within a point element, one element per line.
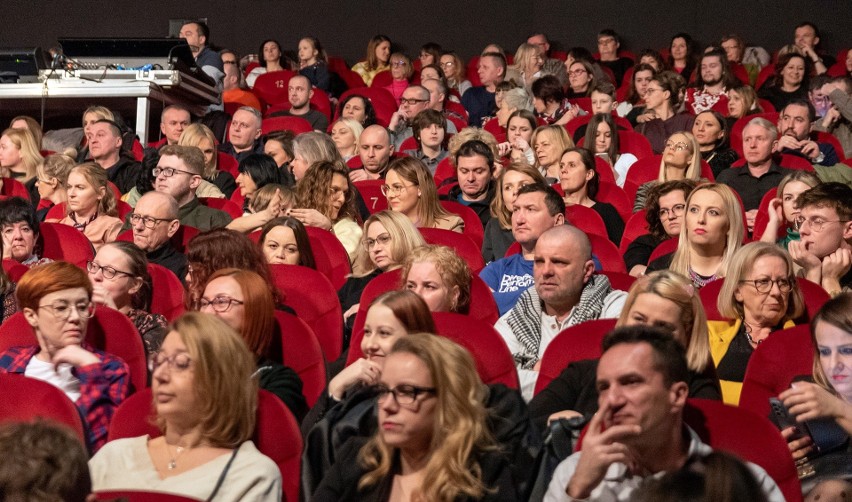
<point>401,70</point>
<point>580,181</point>
<point>660,118</point>
<point>581,79</point>
<point>783,212</point>
<point>454,72</point>
<point>712,232</point>
<point>242,299</point>
<point>760,296</point>
<point>410,190</point>
<point>91,206</point>
<point>526,69</point>
<point>205,401</point>
<point>665,207</point>
<point>325,200</point>
<point>56,299</point>
<point>388,238</point>
<point>120,280</point>
<point>681,160</point>
<point>433,441</point>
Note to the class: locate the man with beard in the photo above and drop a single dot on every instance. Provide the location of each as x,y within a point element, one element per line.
<point>795,124</point>
<point>712,81</point>
<point>299,94</point>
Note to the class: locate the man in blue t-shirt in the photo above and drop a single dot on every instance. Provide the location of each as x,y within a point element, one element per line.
<point>537,208</point>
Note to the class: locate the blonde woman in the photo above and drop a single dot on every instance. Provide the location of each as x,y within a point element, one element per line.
<point>345,134</point>
<point>91,205</point>
<point>498,230</point>
<point>410,190</point>
<point>53,180</point>
<point>529,59</point>
<point>90,116</point>
<point>713,232</point>
<point>548,143</point>
<point>20,157</point>
<point>681,160</point>
<point>215,183</point>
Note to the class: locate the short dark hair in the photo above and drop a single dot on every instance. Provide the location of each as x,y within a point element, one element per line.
<point>501,60</point>
<point>809,24</point>
<point>603,87</point>
<point>837,196</point>
<point>15,210</point>
<point>113,126</point>
<point>473,148</point>
<point>609,32</point>
<point>262,169</point>
<point>801,102</point>
<point>669,354</point>
<point>548,89</point>
<point>554,202</point>
<point>284,138</point>
<point>203,28</point>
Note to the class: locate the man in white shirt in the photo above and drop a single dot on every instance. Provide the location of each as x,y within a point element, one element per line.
<point>565,292</point>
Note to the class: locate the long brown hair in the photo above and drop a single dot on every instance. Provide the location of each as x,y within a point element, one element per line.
<point>312,190</point>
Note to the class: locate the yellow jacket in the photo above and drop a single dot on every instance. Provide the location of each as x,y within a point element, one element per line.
<point>721,333</point>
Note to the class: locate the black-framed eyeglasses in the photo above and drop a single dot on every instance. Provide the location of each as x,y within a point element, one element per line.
<point>219,304</point>
<point>177,363</point>
<point>403,395</point>
<point>765,285</point>
<point>168,172</point>
<point>148,221</point>
<point>677,210</point>
<point>412,101</point>
<point>816,224</point>
<point>109,272</point>
<point>62,311</point>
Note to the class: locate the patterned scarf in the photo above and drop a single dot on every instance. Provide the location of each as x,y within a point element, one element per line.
<point>525,317</point>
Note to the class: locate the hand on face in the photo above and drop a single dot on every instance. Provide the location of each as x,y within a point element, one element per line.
<point>837,264</point>
<point>803,257</point>
<point>311,218</point>
<point>102,296</point>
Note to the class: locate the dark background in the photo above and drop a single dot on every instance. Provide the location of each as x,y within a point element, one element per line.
<point>345,27</point>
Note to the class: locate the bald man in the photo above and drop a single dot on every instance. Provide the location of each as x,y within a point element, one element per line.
<point>154,222</point>
<point>375,152</point>
<point>566,292</point>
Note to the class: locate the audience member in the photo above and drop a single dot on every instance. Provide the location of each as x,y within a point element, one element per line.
<point>279,146</point>
<point>789,83</point>
<point>410,190</point>
<point>479,101</point>
<point>256,171</point>
<point>681,161</point>
<point>549,142</point>
<point>378,59</point>
<point>580,181</point>
<point>120,280</point>
<point>201,137</point>
<point>197,36</point>
<point>414,100</point>
<point>154,222</point>
<point>711,234</point>
<point>91,206</point>
<point>345,134</point>
<point>31,125</point>
<point>783,212</point>
<point>566,292</point>
<point>105,146</point>
<point>56,299</point>
<point>178,173</point>
<point>550,103</point>
<point>712,81</point>
<point>839,112</point>
<point>608,44</point>
<point>272,58</point>
<point>53,182</point>
<point>429,128</point>
<point>683,55</point>
<point>634,104</point>
<point>527,65</point>
<point>825,225</point>
<point>376,149</point>
<point>205,369</point>
<point>400,72</point>
<point>519,131</point>
<point>742,101</point>
<point>712,133</point>
<point>439,276</point>
<point>454,72</point>
<point>55,469</point>
<point>795,125</point>
<point>807,38</point>
<point>299,93</point>
<point>582,79</point>
<point>20,231</point>
<point>641,425</point>
<point>244,133</point>
<point>173,121</point>
<point>242,299</point>
<point>474,161</point>
<point>313,63</point>
<point>20,158</point>
<point>601,137</point>
<point>660,118</point>
<point>284,241</point>
<point>498,230</point>
<point>359,109</point>
<point>312,147</point>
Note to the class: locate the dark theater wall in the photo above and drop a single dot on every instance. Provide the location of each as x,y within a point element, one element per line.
<point>345,26</point>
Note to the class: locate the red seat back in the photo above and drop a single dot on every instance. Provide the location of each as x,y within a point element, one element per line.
<point>14,188</point>
<point>271,87</point>
<point>615,195</point>
<point>139,496</point>
<point>460,243</point>
<point>330,256</point>
<point>586,219</point>
<point>635,227</point>
<point>231,208</point>
<point>619,280</point>
<point>227,163</point>
<point>320,309</point>
<point>276,433</point>
<point>642,171</point>
<point>761,219</point>
<point>444,171</point>
<point>23,399</point>
<point>575,343</point>
<point>472,224</point>
<point>302,353</point>
<point>371,193</point>
<point>297,125</point>
<point>664,248</point>
<point>63,242</point>
<point>167,297</point>
<point>607,254</point>
<point>14,269</point>
<point>109,330</point>
<point>493,126</point>
<point>382,79</point>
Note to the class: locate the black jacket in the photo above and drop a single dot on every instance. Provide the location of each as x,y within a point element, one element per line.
<point>482,207</point>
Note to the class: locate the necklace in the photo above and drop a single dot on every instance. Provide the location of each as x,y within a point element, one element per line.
<point>173,459</point>
<point>747,330</point>
<point>699,281</point>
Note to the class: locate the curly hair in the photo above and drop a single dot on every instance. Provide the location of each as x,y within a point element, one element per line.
<point>453,270</point>
<point>312,190</point>
<point>460,425</point>
<point>652,204</point>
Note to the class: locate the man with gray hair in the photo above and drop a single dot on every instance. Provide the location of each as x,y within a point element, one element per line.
<point>244,134</point>
<point>414,100</point>
<point>566,292</point>
<point>437,99</point>
<point>155,221</point>
<point>761,173</point>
